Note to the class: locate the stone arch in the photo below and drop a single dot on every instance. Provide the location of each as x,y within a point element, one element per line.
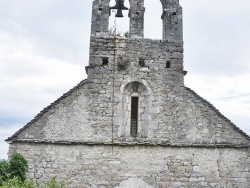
<point>135,86</point>
<point>171,16</point>
<point>121,24</point>
<point>140,90</point>
<point>133,183</point>
<point>153,17</point>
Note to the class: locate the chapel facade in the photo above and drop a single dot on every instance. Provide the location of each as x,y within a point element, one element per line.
<point>132,122</point>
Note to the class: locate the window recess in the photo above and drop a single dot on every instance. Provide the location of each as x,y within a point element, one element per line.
<point>134,116</point>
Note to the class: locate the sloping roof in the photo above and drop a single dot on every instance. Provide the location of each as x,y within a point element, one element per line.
<point>14,136</point>
<point>218,113</point>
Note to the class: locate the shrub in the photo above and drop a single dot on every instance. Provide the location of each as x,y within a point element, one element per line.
<point>53,183</point>
<point>13,171</point>
<point>29,184</point>
<point>18,166</point>
<point>4,171</point>
<point>17,183</point>
<point>13,174</point>
<point>12,183</point>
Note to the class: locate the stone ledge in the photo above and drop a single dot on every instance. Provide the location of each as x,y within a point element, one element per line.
<point>131,144</point>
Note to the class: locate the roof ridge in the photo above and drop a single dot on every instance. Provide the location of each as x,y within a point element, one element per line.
<point>46,109</point>
<point>219,113</point>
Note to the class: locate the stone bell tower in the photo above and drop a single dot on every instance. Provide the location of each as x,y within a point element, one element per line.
<point>136,69</point>
<point>171,17</point>
<point>132,122</point>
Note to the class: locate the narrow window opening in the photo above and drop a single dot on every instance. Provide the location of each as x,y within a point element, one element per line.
<point>105,61</point>
<point>168,64</point>
<point>134,116</point>
<point>141,62</point>
<point>174,13</point>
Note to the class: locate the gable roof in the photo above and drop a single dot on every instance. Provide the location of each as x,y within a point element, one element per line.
<point>14,136</point>
<point>83,82</point>
<point>218,113</point>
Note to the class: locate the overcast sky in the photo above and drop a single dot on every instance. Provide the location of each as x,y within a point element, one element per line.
<point>44,48</point>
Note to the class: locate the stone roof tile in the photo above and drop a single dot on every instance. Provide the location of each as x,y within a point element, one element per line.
<point>218,113</point>
<point>14,136</point>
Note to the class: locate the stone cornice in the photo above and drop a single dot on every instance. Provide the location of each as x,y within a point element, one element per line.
<point>163,144</point>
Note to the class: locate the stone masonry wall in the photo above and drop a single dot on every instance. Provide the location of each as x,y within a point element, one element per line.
<point>85,115</point>
<point>81,166</point>
<point>84,137</point>
<point>97,110</point>
<point>171,16</point>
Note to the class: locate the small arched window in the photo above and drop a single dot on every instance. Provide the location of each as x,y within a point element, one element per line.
<point>135,116</point>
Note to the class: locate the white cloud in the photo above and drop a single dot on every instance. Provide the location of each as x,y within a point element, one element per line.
<point>228,94</point>
<point>216,44</point>
<point>43,51</point>
<point>30,77</point>
<point>216,37</point>
<point>4,134</point>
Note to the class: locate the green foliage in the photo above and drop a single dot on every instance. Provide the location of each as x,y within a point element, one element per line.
<point>17,183</point>
<point>126,34</point>
<point>4,171</point>
<point>14,171</point>
<point>18,166</point>
<point>29,184</point>
<point>53,183</point>
<point>13,183</point>
<point>13,174</point>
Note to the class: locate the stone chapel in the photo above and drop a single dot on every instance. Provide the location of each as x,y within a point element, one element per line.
<point>132,123</point>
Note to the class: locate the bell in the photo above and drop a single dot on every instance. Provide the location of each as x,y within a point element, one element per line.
<point>119,13</point>
<point>119,5</point>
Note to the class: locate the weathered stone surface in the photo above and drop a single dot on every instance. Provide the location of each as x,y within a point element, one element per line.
<point>108,166</point>
<point>84,138</point>
<point>133,182</point>
<point>169,114</point>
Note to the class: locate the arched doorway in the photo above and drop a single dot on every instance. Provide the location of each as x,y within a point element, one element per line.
<point>133,182</point>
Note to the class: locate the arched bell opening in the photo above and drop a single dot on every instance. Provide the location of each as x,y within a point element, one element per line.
<point>119,19</point>
<point>153,23</point>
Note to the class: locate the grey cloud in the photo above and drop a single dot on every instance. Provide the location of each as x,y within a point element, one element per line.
<point>56,28</point>
<point>8,120</point>
<point>244,97</point>
<point>216,37</point>
<point>243,121</point>
<point>20,70</point>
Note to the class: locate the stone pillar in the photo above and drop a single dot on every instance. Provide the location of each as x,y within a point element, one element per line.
<point>172,20</point>
<point>100,17</point>
<point>136,15</point>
